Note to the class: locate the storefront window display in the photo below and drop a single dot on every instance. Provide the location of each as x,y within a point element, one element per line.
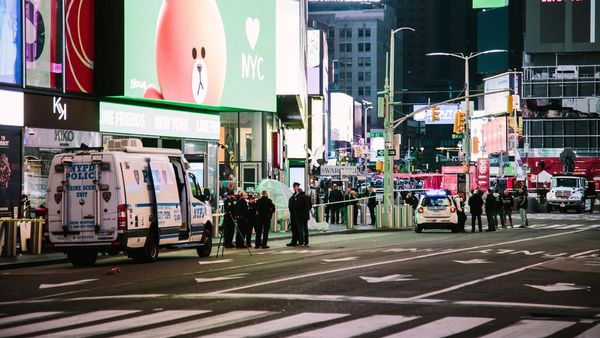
<point>10,170</point>
<point>10,42</point>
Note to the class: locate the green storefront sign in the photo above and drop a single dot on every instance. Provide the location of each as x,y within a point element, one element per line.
<point>215,53</point>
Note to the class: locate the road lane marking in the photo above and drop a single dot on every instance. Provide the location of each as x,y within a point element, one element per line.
<point>345,259</point>
<point>215,262</point>
<point>442,328</point>
<point>198,325</point>
<point>356,327</point>
<point>77,282</point>
<point>217,279</point>
<point>531,329</point>
<point>320,273</point>
<point>570,226</point>
<point>523,305</point>
<point>474,261</point>
<point>63,322</point>
<point>583,253</point>
<point>479,280</point>
<point>126,324</point>
<point>594,332</point>
<point>390,278</point>
<point>279,325</point>
<point>559,287</point>
<point>27,316</point>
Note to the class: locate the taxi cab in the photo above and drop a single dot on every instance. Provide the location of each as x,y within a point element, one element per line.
<point>436,211</point>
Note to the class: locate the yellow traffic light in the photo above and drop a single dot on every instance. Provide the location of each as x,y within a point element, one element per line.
<point>459,123</point>
<point>475,144</point>
<point>379,165</point>
<point>435,113</point>
<point>509,104</point>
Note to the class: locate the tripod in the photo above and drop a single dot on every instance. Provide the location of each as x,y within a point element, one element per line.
<point>222,248</point>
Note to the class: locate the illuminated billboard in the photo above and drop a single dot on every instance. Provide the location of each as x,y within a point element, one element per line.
<point>10,42</point>
<point>217,53</point>
<point>342,117</point>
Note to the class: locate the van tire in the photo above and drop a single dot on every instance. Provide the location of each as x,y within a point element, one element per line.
<point>82,258</point>
<point>149,253</point>
<point>418,229</point>
<point>206,248</point>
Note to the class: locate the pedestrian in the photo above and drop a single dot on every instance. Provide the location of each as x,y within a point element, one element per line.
<point>522,205</point>
<point>371,203</point>
<point>354,204</point>
<point>507,204</point>
<point>335,197</point>
<point>251,220</point>
<point>293,217</point>
<point>499,210</point>
<point>326,202</point>
<point>228,219</point>
<point>264,209</point>
<point>302,207</point>
<point>476,205</point>
<point>459,202</point>
<point>490,210</point>
<point>241,208</point>
<point>347,197</point>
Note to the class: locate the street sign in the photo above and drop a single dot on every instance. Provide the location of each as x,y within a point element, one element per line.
<point>381,152</point>
<point>376,134</point>
<point>391,152</point>
<point>457,136</point>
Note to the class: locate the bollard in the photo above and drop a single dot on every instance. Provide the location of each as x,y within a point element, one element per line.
<point>350,216</point>
<point>363,214</point>
<point>216,224</point>
<point>397,217</point>
<point>320,214</point>
<point>35,241</point>
<point>378,216</point>
<point>410,216</point>
<point>274,221</point>
<point>285,224</point>
<point>10,238</point>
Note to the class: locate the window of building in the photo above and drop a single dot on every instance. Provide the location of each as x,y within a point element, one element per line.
<point>361,61</point>
<point>367,47</point>
<point>361,47</point>
<point>368,91</point>
<point>361,32</point>
<point>345,33</point>
<point>361,91</point>
<point>349,76</point>
<point>348,62</point>
<point>368,61</point>
<point>361,76</point>
<point>367,76</point>
<point>367,32</point>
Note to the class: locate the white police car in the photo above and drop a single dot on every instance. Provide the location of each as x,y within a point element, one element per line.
<point>436,211</point>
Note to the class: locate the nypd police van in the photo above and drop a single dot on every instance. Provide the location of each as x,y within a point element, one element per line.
<point>128,198</point>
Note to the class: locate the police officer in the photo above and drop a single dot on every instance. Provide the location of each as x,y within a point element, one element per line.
<point>251,220</point>
<point>241,209</point>
<point>228,221</point>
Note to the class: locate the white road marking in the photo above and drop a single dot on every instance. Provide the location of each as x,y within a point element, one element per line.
<point>77,282</point>
<point>474,261</point>
<point>27,316</point>
<point>583,253</point>
<point>62,322</point>
<point>215,262</point>
<point>442,328</point>
<point>559,287</point>
<point>126,324</point>
<point>524,305</point>
<point>390,278</point>
<point>320,273</point>
<point>570,226</point>
<point>594,332</point>
<point>345,259</point>
<point>198,325</point>
<point>531,329</point>
<point>279,325</point>
<point>479,280</point>
<point>551,226</point>
<point>216,279</point>
<point>356,327</point>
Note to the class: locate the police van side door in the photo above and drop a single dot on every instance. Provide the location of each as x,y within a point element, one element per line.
<point>168,208</point>
<point>200,210</point>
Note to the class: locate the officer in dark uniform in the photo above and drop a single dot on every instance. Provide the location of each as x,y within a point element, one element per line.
<point>241,209</point>
<point>251,220</point>
<point>228,221</point>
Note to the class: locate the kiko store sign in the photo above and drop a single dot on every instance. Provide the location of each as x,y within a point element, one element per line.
<point>58,112</point>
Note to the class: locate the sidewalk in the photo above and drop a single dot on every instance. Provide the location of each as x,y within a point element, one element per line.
<point>28,260</point>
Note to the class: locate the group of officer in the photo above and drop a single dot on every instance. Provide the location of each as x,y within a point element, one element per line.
<point>244,213</point>
<point>335,200</point>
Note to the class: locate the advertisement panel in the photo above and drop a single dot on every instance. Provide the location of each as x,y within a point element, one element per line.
<point>44,43</point>
<point>12,108</point>
<point>126,119</point>
<point>10,170</point>
<point>446,115</point>
<point>57,112</point>
<point>342,117</point>
<point>483,173</point>
<point>11,51</point>
<point>495,135</point>
<point>211,52</point>
<point>79,16</point>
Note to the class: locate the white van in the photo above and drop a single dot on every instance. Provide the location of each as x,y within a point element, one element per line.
<point>128,198</point>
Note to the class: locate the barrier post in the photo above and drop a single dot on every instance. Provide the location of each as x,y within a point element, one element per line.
<point>363,214</point>
<point>36,237</point>
<point>216,224</point>
<point>397,217</point>
<point>320,214</point>
<point>10,238</point>
<point>350,216</point>
<point>275,221</point>
<point>378,218</point>
<point>286,224</point>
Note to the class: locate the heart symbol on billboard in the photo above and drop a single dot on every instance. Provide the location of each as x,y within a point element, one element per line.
<point>252,31</point>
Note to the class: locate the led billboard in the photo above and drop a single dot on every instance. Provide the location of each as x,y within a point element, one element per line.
<point>211,52</point>
<point>10,42</point>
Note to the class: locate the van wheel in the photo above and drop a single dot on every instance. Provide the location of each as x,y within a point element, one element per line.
<point>149,253</point>
<point>206,248</point>
<point>580,209</point>
<point>82,258</point>
<point>418,229</point>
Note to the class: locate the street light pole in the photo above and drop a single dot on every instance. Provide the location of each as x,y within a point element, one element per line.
<point>467,131</point>
<point>388,163</point>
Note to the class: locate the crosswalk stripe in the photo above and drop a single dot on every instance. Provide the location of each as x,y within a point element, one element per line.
<point>356,327</point>
<point>27,316</point>
<point>531,329</point>
<point>537,225</point>
<point>63,322</point>
<point>591,333</point>
<point>279,325</point>
<point>198,324</point>
<point>442,328</point>
<point>551,226</point>
<point>593,226</point>
<point>570,226</point>
<point>125,324</point>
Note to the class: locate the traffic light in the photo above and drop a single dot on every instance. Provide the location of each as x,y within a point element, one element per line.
<point>509,104</point>
<point>459,123</point>
<point>475,144</point>
<point>379,165</point>
<point>435,113</point>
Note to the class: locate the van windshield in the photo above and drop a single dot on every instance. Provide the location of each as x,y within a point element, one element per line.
<point>565,182</point>
<point>441,201</point>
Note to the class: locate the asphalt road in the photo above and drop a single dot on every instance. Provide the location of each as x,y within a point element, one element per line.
<point>535,282</point>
